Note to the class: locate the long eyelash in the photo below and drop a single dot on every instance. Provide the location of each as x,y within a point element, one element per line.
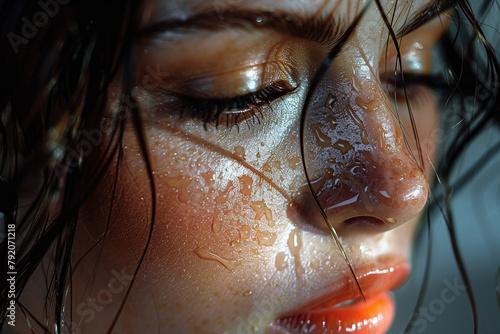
<point>235,109</point>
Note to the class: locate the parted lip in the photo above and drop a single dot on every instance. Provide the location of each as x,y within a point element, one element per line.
<point>384,275</point>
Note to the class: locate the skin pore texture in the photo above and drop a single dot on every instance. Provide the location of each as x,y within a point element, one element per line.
<point>238,241</point>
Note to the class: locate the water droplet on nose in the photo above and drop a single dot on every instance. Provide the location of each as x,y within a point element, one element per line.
<point>385,194</point>
<point>343,145</point>
<point>330,101</point>
<point>355,84</point>
<point>206,254</point>
<point>321,139</point>
<point>247,293</point>
<point>365,103</point>
<point>332,120</point>
<point>357,121</point>
<point>346,202</point>
<point>319,183</point>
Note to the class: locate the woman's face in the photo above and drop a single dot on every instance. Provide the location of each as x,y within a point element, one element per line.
<point>238,243</point>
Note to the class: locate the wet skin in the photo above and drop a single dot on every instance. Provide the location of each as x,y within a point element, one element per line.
<point>238,240</point>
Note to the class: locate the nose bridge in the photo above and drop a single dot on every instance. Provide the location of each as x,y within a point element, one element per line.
<point>358,159</point>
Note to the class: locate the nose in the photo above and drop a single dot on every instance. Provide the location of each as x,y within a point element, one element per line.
<point>356,157</point>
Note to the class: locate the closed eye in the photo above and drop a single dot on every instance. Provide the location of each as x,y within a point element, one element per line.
<point>232,110</point>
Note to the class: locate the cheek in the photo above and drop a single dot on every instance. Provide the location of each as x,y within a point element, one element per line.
<point>215,221</point>
<point>219,201</point>
<point>214,218</point>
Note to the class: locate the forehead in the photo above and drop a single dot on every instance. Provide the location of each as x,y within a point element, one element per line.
<point>161,10</point>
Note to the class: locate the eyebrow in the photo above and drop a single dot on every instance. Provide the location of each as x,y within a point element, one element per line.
<point>323,30</point>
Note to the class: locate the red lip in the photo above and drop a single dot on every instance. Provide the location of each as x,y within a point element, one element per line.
<point>324,315</point>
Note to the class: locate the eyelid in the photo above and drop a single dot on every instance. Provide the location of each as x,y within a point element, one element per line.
<point>235,82</point>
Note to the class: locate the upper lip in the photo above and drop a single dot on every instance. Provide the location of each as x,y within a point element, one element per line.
<point>373,279</point>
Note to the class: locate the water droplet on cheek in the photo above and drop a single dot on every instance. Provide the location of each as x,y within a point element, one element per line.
<point>294,245</point>
<point>216,224</point>
<point>209,178</point>
<point>245,187</point>
<point>293,162</point>
<point>223,194</point>
<point>206,254</point>
<point>280,262</point>
<point>180,183</point>
<point>262,210</point>
<point>244,232</point>
<point>239,151</point>
<point>266,238</point>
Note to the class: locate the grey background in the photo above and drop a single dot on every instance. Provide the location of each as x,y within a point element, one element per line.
<point>477,213</point>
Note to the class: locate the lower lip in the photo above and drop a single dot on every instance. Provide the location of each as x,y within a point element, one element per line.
<point>373,316</point>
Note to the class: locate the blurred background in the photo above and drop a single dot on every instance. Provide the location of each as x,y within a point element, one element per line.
<point>476,207</point>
